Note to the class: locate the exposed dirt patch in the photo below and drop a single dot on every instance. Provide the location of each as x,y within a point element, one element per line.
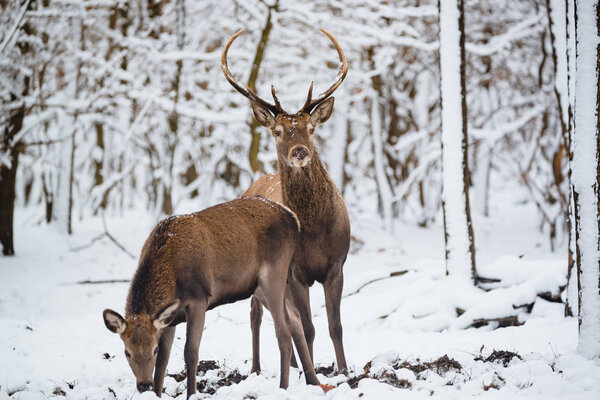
<point>179,376</point>
<point>327,370</point>
<point>503,322</point>
<point>203,366</point>
<point>496,383</point>
<point>207,365</point>
<point>58,391</point>
<point>391,379</point>
<point>227,379</point>
<point>503,356</point>
<point>353,382</point>
<point>440,366</point>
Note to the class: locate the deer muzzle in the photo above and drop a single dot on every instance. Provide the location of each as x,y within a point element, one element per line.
<point>145,386</point>
<point>299,156</point>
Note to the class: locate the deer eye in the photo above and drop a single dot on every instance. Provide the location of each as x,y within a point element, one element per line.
<point>311,131</point>
<point>127,354</point>
<point>155,350</point>
<point>277,132</point>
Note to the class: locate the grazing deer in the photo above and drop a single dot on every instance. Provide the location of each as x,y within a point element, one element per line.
<point>304,186</point>
<point>193,263</point>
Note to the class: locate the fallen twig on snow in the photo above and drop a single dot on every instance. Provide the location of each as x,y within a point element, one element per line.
<point>108,235</point>
<point>112,238</point>
<point>102,281</point>
<point>391,275</point>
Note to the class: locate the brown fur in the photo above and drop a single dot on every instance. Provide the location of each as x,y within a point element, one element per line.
<point>195,262</point>
<point>306,188</point>
<point>269,187</point>
<point>325,234</point>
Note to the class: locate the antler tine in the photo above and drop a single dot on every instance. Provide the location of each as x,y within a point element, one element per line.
<point>245,90</point>
<point>309,96</point>
<point>277,103</point>
<point>309,105</point>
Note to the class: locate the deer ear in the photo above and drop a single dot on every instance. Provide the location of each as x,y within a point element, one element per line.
<point>322,112</point>
<point>165,315</point>
<point>262,115</point>
<point>114,322</point>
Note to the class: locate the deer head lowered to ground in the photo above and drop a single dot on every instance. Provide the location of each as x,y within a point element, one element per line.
<point>193,263</point>
<point>304,185</point>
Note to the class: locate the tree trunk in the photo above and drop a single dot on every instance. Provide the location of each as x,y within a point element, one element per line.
<point>385,192</point>
<point>557,23</point>
<point>78,85</point>
<point>586,174</point>
<point>572,297</point>
<point>173,118</point>
<point>458,229</point>
<point>8,145</point>
<point>258,57</point>
<point>378,127</point>
<point>8,175</point>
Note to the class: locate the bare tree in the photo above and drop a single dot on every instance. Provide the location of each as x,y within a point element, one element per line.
<point>566,12</point>
<point>12,114</point>
<point>586,174</point>
<point>458,230</point>
<point>258,58</point>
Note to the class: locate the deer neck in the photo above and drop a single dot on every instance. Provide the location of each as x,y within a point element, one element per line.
<point>308,191</point>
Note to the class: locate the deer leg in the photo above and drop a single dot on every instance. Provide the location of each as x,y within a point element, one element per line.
<point>195,325</point>
<point>332,287</point>
<point>301,300</point>
<point>301,346</point>
<point>274,296</point>
<point>293,361</point>
<point>164,350</point>
<point>256,312</point>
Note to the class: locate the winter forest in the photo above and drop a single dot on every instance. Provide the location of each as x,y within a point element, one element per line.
<point>464,141</point>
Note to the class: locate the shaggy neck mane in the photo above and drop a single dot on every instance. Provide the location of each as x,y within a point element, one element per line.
<point>308,191</point>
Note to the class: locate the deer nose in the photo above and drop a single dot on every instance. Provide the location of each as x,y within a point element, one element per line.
<point>299,152</point>
<point>145,387</point>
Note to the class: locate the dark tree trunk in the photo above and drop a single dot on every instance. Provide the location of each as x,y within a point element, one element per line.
<point>465,139</point>
<point>8,174</point>
<point>258,57</point>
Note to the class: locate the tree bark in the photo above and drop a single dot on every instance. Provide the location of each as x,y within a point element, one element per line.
<point>572,297</point>
<point>458,229</point>
<point>557,20</point>
<point>12,147</point>
<point>8,175</point>
<point>586,174</point>
<point>378,127</point>
<point>255,164</point>
<point>173,118</point>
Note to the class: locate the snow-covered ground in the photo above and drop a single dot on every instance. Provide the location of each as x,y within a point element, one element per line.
<point>52,334</point>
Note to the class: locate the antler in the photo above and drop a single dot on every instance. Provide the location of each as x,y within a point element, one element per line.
<point>310,103</point>
<point>245,90</point>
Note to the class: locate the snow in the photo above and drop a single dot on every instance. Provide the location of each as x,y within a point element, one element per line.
<point>52,334</point>
<point>399,305</point>
<point>584,176</point>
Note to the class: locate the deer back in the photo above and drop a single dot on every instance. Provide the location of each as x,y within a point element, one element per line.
<point>217,253</point>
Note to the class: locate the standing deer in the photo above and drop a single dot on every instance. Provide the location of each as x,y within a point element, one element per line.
<point>193,263</point>
<point>304,186</point>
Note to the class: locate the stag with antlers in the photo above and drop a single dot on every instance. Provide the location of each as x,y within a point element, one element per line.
<point>304,186</point>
